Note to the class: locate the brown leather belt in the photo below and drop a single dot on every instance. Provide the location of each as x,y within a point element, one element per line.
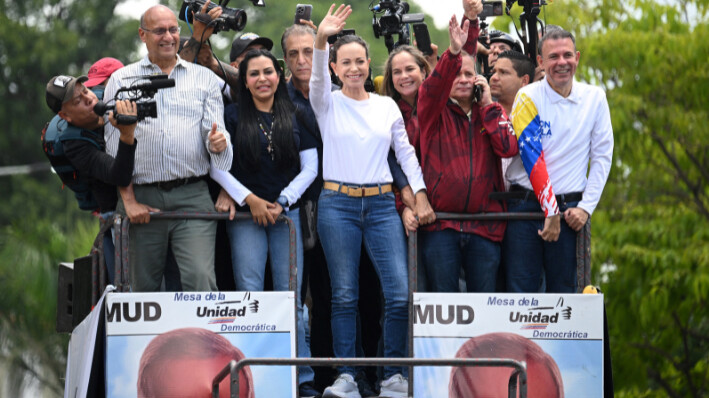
<point>357,190</point>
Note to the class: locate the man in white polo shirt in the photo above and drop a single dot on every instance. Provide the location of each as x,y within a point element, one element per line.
<point>565,141</point>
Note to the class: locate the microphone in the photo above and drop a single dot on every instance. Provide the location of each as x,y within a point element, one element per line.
<point>153,85</point>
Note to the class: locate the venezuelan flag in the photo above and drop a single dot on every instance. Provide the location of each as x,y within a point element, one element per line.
<point>528,128</point>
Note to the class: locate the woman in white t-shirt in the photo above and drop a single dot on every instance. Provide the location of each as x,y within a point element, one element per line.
<point>357,204</point>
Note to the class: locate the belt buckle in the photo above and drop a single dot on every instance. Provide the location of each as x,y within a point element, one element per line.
<point>355,191</point>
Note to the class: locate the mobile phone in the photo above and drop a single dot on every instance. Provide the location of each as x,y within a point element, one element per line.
<point>477,93</point>
<point>332,39</point>
<point>423,39</point>
<point>491,9</point>
<point>302,11</point>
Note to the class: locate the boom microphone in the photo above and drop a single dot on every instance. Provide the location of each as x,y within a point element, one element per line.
<point>153,85</point>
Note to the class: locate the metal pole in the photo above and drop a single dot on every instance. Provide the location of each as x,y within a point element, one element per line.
<point>413,281</point>
<point>233,368</point>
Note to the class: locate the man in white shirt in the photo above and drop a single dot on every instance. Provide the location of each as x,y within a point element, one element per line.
<point>563,127</point>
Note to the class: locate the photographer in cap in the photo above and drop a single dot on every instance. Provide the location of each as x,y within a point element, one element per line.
<point>73,103</point>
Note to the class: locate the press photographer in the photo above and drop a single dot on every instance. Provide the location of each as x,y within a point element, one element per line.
<point>74,143</point>
<point>79,132</point>
<point>208,18</point>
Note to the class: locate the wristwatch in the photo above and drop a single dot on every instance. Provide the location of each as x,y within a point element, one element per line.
<point>283,201</point>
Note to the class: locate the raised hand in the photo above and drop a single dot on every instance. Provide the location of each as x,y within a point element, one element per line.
<point>200,31</point>
<point>332,24</point>
<point>458,35</point>
<point>472,8</point>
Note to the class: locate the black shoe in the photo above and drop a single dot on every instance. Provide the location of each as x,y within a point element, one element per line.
<point>307,390</point>
<point>365,388</point>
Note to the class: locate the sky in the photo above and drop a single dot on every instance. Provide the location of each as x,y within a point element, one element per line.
<point>441,10</point>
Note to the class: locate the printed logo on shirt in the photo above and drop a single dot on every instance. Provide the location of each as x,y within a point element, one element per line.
<point>545,128</point>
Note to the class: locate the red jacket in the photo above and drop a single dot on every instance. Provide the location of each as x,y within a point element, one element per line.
<point>460,158</point>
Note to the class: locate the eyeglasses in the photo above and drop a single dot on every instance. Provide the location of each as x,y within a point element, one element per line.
<point>161,31</point>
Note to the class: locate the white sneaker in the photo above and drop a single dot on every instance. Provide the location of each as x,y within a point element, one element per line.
<point>343,387</point>
<point>395,387</point>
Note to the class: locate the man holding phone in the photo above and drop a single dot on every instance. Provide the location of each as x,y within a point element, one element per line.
<point>462,141</point>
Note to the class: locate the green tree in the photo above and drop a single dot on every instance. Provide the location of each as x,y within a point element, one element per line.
<point>651,232</point>
<point>40,224</point>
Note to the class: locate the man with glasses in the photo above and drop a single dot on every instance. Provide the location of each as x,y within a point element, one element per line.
<point>175,154</point>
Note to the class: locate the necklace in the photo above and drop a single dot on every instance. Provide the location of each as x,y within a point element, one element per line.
<point>269,136</point>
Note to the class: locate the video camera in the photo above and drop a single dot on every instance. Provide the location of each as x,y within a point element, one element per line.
<point>137,92</point>
<point>231,18</point>
<point>529,22</point>
<point>390,17</point>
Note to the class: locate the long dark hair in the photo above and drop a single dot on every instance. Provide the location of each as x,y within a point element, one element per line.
<point>246,137</point>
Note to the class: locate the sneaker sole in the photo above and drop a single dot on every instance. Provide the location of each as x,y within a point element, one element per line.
<point>329,394</point>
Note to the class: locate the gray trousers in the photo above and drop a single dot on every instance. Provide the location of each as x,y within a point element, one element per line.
<point>192,241</point>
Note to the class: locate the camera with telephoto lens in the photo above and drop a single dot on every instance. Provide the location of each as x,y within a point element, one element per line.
<point>231,18</point>
<point>142,94</point>
<point>390,17</point>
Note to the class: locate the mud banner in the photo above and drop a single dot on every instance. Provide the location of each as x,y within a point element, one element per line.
<point>174,344</point>
<point>559,336</point>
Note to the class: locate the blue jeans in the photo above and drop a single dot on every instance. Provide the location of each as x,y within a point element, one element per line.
<point>448,250</point>
<point>344,223</point>
<point>527,256</point>
<point>251,244</point>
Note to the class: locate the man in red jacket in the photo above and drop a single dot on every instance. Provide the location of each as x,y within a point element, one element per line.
<point>462,141</point>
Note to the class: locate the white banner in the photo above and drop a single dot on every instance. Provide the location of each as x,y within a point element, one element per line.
<point>164,343</point>
<point>559,336</point>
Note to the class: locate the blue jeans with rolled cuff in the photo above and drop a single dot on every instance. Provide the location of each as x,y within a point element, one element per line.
<point>344,223</point>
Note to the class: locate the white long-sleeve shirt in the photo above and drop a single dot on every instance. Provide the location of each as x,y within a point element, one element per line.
<point>357,135</point>
<point>576,138</point>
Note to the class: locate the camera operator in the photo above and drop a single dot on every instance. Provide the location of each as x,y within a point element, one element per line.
<point>198,48</point>
<point>174,158</point>
<point>73,102</point>
<point>462,141</point>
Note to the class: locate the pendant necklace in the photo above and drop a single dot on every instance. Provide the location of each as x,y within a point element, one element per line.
<point>269,136</point>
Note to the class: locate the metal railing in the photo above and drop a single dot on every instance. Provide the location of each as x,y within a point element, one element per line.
<point>122,282</point>
<point>517,381</point>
